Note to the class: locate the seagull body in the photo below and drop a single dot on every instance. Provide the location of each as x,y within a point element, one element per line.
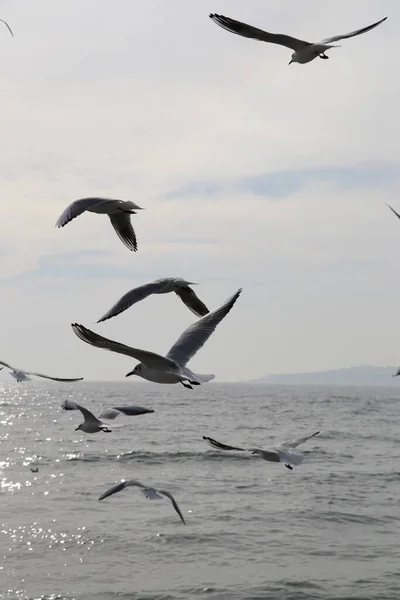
<point>91,423</point>
<point>113,412</point>
<point>304,52</point>
<point>21,375</point>
<point>172,367</point>
<point>118,211</point>
<point>159,286</point>
<point>7,25</point>
<point>150,493</point>
<point>278,454</point>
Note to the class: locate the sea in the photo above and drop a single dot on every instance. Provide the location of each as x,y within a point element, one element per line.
<point>328,530</point>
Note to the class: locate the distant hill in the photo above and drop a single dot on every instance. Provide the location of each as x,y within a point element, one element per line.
<point>363,375</point>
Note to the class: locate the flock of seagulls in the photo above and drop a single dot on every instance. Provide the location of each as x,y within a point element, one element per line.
<point>172,368</point>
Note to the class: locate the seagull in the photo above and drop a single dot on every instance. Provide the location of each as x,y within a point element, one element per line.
<point>7,25</point>
<point>21,375</point>
<point>111,413</point>
<point>149,492</point>
<point>118,211</point>
<point>91,424</point>
<point>159,286</point>
<point>304,52</point>
<point>278,454</point>
<point>35,469</point>
<point>172,367</point>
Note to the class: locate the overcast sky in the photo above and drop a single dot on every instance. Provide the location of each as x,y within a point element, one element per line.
<point>253,174</point>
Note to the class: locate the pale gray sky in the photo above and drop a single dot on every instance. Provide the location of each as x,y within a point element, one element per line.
<point>253,173</point>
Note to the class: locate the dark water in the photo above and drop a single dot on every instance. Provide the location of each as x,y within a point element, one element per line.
<point>255,531</point>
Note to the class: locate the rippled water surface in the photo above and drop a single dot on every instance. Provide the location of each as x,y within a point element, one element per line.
<point>255,531</point>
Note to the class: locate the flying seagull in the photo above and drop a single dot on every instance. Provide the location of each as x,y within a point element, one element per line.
<point>91,424</point>
<point>278,454</point>
<point>304,52</point>
<point>7,25</point>
<point>159,286</point>
<point>172,367</point>
<point>118,211</point>
<point>149,492</point>
<point>21,375</point>
<point>113,412</point>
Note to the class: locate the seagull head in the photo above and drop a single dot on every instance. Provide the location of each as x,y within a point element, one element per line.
<point>77,428</point>
<point>136,371</point>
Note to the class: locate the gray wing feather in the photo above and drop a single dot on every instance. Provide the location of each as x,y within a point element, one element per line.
<point>174,503</point>
<point>113,413</point>
<point>257,34</point>
<point>88,416</point>
<point>130,298</point>
<point>148,358</point>
<point>197,334</point>
<point>192,301</point>
<point>298,441</point>
<point>7,25</point>
<point>54,378</point>
<point>220,445</point>
<point>77,208</point>
<point>121,486</point>
<point>123,228</point>
<point>392,209</point>
<point>7,365</point>
<point>344,36</point>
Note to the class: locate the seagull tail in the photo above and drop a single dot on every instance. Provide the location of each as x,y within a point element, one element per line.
<point>199,378</point>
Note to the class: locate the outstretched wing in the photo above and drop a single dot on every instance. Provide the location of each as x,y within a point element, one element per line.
<point>87,415</point>
<point>257,34</point>
<point>7,365</point>
<point>392,209</point>
<point>135,295</point>
<point>174,503</point>
<point>298,441</point>
<point>113,413</point>
<point>7,25</point>
<point>123,227</point>
<point>54,378</point>
<point>77,208</point>
<point>121,486</point>
<point>219,445</point>
<point>148,358</point>
<point>197,334</point>
<point>68,405</point>
<point>192,301</point>
<point>344,36</point>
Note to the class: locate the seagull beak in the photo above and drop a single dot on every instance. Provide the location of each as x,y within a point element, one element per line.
<point>77,428</point>
<point>130,373</point>
<point>290,62</point>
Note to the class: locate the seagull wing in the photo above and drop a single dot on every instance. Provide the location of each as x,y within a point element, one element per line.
<point>257,34</point>
<point>219,445</point>
<point>121,486</point>
<point>188,297</point>
<point>135,295</point>
<point>298,441</point>
<point>7,365</point>
<point>7,25</point>
<point>174,503</point>
<point>148,358</point>
<point>392,209</point>
<point>130,411</point>
<point>77,208</point>
<point>87,415</point>
<point>123,227</point>
<point>54,378</point>
<point>397,373</point>
<point>344,36</point>
<point>197,334</point>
